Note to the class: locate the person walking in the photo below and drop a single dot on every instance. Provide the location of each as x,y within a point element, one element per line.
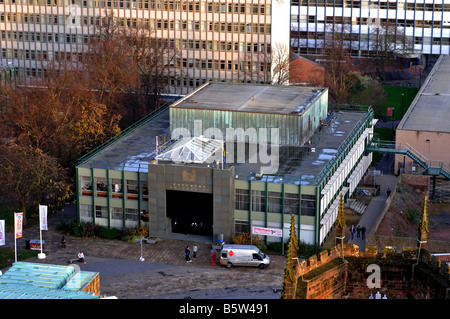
<point>187,253</point>
<point>388,192</point>
<point>194,250</point>
<point>363,232</point>
<point>358,230</point>
<point>352,230</point>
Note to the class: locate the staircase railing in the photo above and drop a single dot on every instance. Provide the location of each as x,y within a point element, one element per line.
<point>404,148</point>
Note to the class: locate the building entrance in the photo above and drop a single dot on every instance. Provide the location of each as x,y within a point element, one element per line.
<point>191,212</point>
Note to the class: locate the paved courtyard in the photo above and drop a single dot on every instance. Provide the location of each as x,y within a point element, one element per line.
<point>163,275</point>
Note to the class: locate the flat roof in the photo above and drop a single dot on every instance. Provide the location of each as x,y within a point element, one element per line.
<point>253,98</point>
<point>307,162</point>
<point>135,150</point>
<point>430,110</point>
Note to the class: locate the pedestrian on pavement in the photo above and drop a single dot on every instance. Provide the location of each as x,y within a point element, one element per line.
<point>194,250</point>
<point>358,230</point>
<point>363,231</point>
<point>388,192</point>
<point>352,230</point>
<point>81,258</point>
<point>187,253</point>
<point>63,242</point>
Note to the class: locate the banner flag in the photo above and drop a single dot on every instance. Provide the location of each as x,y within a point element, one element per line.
<point>2,233</point>
<point>43,216</point>
<point>18,222</point>
<point>267,231</point>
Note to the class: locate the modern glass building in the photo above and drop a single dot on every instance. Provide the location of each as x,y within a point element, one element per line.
<point>198,184</point>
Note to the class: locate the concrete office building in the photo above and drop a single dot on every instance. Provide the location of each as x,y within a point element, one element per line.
<point>220,40</point>
<point>197,184</point>
<point>421,26</point>
<point>217,40</point>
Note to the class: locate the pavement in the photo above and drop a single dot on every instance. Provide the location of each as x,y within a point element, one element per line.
<point>164,274</point>
<point>373,213</point>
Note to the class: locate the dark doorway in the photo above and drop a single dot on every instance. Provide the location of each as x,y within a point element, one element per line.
<point>191,213</point>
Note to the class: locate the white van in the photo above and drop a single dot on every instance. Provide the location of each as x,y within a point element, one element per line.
<point>243,255</point>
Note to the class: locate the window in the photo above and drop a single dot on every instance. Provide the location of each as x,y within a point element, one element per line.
<point>144,186</point>
<point>241,226</point>
<point>86,186</point>
<point>101,212</point>
<point>101,187</point>
<point>116,213</point>
<point>116,188</point>
<point>291,204</point>
<point>132,190</point>
<point>274,202</point>
<point>308,205</point>
<point>86,210</point>
<point>258,201</point>
<point>131,214</point>
<point>242,202</point>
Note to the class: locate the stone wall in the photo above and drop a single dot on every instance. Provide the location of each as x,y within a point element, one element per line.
<point>343,273</point>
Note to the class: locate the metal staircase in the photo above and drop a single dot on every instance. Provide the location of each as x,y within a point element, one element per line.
<point>431,167</point>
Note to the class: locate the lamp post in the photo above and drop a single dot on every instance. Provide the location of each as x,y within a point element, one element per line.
<point>403,94</point>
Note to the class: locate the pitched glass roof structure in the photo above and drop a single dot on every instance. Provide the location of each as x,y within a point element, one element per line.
<point>196,150</point>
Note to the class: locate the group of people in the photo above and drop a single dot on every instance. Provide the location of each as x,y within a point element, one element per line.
<point>187,253</point>
<point>360,231</point>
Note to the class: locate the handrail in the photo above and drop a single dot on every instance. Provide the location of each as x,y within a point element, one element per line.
<point>413,153</point>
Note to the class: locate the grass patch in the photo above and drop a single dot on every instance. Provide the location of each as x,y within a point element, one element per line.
<point>7,256</point>
<point>394,99</point>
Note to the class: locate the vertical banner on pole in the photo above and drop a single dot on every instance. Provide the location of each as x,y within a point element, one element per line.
<point>2,233</point>
<point>43,216</point>
<point>42,226</point>
<point>18,221</point>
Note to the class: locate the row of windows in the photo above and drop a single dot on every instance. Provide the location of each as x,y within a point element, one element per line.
<point>224,46</point>
<point>386,4</point>
<point>274,199</point>
<point>369,21</point>
<point>274,202</point>
<point>133,191</point>
<point>181,6</point>
<point>131,214</point>
<point>43,37</point>
<point>366,37</point>
<point>199,64</point>
<point>207,45</point>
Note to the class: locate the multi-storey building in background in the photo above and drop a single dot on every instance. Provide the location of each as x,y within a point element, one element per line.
<point>421,27</point>
<point>217,40</point>
<point>224,40</point>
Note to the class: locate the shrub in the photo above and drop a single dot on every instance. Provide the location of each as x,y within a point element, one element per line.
<point>245,239</point>
<point>110,233</point>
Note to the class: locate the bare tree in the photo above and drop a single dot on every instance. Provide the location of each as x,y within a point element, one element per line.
<point>387,41</point>
<point>155,60</point>
<point>280,64</point>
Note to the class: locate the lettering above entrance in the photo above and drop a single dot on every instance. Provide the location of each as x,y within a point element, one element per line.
<point>189,176</point>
